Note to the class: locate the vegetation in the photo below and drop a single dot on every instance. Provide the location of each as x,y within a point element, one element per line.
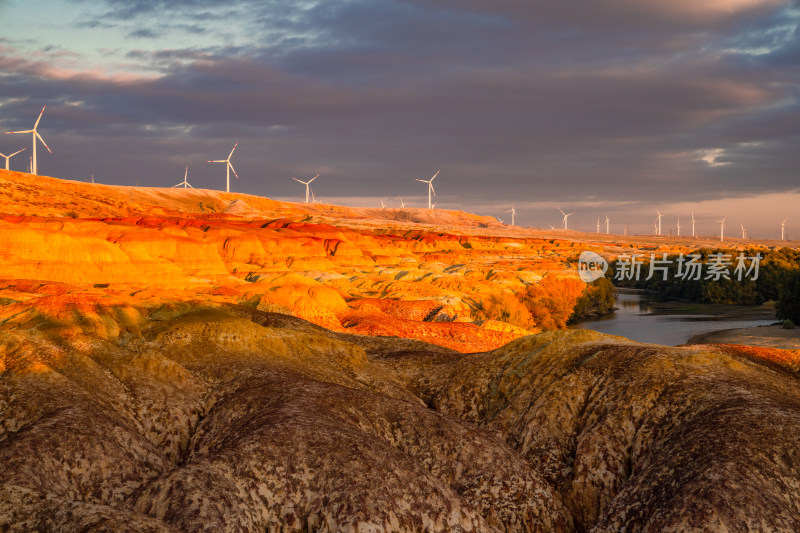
<point>788,324</point>
<point>775,270</point>
<point>598,299</point>
<point>788,306</point>
<point>551,303</point>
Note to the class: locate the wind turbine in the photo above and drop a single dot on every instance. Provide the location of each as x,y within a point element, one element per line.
<point>744,231</point>
<point>783,227</point>
<point>679,226</point>
<point>722,229</point>
<point>12,155</point>
<point>228,168</point>
<point>430,188</point>
<point>566,216</point>
<point>693,235</point>
<point>608,225</point>
<point>383,205</point>
<point>402,203</point>
<point>598,224</point>
<point>513,212</point>
<point>185,183</point>
<point>659,221</point>
<point>307,184</point>
<point>36,135</point>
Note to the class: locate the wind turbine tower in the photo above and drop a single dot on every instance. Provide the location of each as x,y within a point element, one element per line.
<point>430,189</point>
<point>185,183</point>
<point>722,229</point>
<point>744,231</point>
<point>12,155</point>
<point>783,228</point>
<point>228,168</point>
<point>307,184</point>
<point>598,224</point>
<point>608,225</point>
<point>34,168</point>
<point>566,216</point>
<point>659,222</point>
<point>513,212</point>
<point>679,226</point>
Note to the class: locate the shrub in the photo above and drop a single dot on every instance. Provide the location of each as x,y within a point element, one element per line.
<point>788,324</point>
<point>599,298</point>
<point>548,304</point>
<point>507,307</point>
<point>551,301</point>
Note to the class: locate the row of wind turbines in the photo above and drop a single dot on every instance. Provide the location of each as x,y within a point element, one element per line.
<point>309,196</point>
<point>656,224</point>
<point>185,183</point>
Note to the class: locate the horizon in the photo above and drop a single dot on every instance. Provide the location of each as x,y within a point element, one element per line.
<point>653,106</point>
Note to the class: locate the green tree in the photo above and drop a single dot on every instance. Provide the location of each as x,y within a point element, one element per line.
<point>788,307</point>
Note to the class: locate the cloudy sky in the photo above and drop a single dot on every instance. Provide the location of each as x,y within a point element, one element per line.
<point>596,106</point>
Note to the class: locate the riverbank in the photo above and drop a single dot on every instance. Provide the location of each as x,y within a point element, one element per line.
<point>774,336</point>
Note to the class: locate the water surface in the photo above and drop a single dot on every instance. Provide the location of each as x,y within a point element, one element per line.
<point>646,318</point>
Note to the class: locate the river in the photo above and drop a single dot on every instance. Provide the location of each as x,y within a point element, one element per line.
<point>646,318</point>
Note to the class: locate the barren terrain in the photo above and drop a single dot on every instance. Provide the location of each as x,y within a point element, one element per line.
<point>177,360</point>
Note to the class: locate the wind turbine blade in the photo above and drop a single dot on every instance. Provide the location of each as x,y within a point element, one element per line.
<point>298,181</point>
<point>18,151</point>
<point>38,119</point>
<point>423,181</point>
<point>44,143</point>
<point>21,131</point>
<point>234,148</point>
<point>218,161</point>
<point>186,174</point>
<point>312,179</point>
<point>434,176</point>
<point>562,212</point>
<point>234,170</point>
<point>432,189</point>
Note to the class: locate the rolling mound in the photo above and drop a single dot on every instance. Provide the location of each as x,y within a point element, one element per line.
<point>227,418</point>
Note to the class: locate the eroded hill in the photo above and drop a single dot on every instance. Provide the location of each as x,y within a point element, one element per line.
<point>226,418</point>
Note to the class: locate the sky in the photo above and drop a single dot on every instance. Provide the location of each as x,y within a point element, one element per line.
<point>618,107</point>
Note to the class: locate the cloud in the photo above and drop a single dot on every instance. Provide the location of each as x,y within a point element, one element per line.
<point>511,100</point>
<point>144,33</point>
<point>711,157</point>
